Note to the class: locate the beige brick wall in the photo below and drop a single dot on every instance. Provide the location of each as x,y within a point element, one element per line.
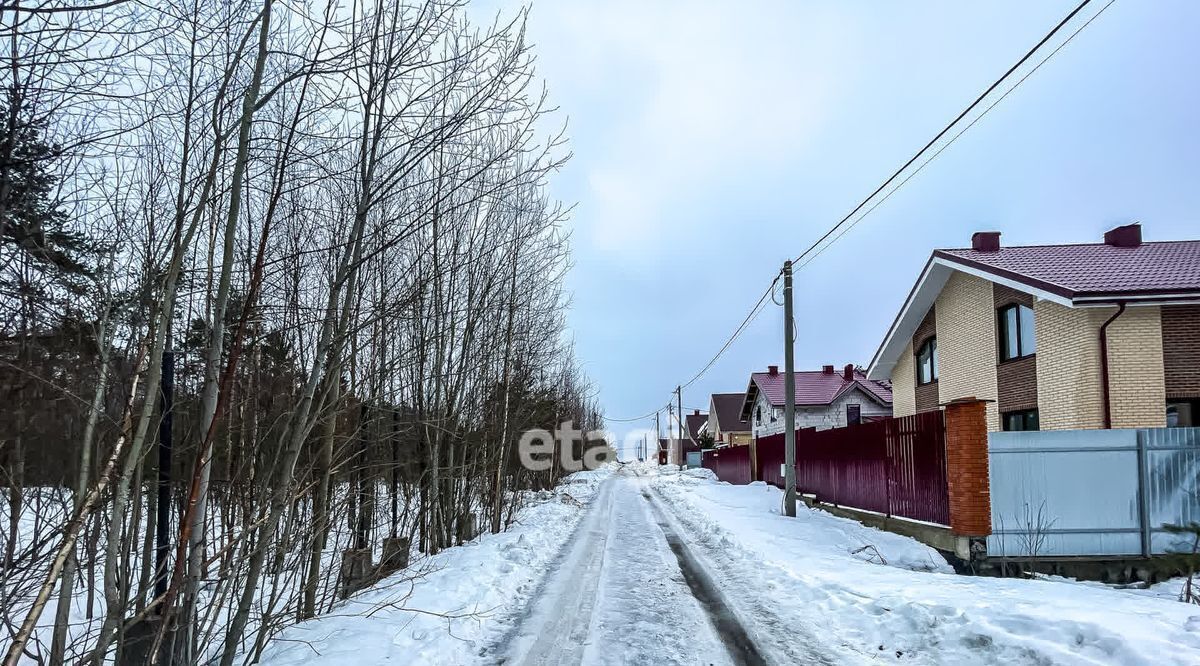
<point>1068,367</point>
<point>904,384</point>
<point>1135,369</point>
<point>966,336</point>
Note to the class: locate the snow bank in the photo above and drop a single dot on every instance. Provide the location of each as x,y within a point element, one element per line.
<point>877,595</point>
<point>460,600</point>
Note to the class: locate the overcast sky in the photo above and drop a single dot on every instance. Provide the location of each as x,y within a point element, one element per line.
<point>713,140</point>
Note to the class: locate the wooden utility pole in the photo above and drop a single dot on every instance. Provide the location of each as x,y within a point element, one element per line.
<point>657,435</point>
<point>679,418</point>
<point>789,396</point>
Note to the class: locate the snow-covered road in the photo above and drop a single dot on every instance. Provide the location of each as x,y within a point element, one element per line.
<point>623,593</point>
<point>647,565</point>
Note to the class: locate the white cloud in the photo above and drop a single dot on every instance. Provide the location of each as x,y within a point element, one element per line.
<point>690,89</point>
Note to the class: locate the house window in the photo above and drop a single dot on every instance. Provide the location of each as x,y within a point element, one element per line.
<point>927,364</point>
<point>1025,419</point>
<point>853,413</point>
<point>1016,332</point>
<point>1183,413</point>
<point>758,415</point>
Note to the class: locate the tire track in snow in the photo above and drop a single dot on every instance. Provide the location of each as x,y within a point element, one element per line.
<point>737,641</point>
<point>616,596</point>
<point>546,646</point>
<point>789,637</point>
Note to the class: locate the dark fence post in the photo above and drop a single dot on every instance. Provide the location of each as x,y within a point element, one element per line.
<point>162,544</point>
<point>1143,495</point>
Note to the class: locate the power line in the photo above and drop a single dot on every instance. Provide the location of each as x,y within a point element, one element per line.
<point>639,418</point>
<point>737,332</point>
<point>953,138</point>
<point>960,116</point>
<point>750,317</point>
<point>761,302</point>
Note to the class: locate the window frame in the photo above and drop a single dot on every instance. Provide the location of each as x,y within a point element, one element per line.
<point>1002,331</point>
<point>931,343</point>
<point>857,410</point>
<point>1192,407</point>
<point>1024,416</point>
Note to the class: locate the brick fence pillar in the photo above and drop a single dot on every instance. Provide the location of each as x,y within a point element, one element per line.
<point>967,467</point>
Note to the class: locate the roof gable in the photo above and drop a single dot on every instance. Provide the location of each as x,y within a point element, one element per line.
<point>1070,275</point>
<point>814,388</point>
<point>726,412</point>
<point>1092,270</point>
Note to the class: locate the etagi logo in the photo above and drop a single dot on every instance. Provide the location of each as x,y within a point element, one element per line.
<point>535,449</point>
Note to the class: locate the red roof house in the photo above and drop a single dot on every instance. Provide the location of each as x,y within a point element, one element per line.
<point>825,398</point>
<point>1088,335</point>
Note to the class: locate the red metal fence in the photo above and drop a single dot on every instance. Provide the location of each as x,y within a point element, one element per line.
<point>896,466</point>
<point>730,464</point>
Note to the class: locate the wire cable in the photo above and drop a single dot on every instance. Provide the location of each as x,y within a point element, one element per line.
<point>639,418</point>
<point>996,84</point>
<point>838,227</point>
<point>952,139</point>
<point>758,306</point>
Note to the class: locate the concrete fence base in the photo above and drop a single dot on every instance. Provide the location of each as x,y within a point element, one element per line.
<point>138,643</point>
<point>395,555</point>
<point>467,527</point>
<point>357,571</point>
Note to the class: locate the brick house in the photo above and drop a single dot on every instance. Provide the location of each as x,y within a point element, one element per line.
<point>725,422</point>
<point>695,425</point>
<point>1099,335</point>
<point>825,399</point>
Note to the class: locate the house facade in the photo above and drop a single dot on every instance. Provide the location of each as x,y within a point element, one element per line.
<point>824,399</point>
<point>1101,335</point>
<point>696,425</point>
<point>725,422</point>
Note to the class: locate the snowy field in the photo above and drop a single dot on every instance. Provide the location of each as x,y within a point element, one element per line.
<point>467,599</point>
<point>877,596</point>
<point>813,589</point>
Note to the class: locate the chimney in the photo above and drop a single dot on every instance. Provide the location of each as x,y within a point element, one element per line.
<point>1129,235</point>
<point>828,369</point>
<point>848,372</point>
<point>695,412</point>
<point>985,241</point>
<point>772,369</point>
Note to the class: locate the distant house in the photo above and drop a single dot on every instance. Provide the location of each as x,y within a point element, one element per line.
<point>825,399</point>
<point>668,451</point>
<point>1097,335</point>
<point>695,425</point>
<point>725,422</point>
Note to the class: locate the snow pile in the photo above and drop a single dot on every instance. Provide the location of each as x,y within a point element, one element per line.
<point>458,602</point>
<point>829,575</point>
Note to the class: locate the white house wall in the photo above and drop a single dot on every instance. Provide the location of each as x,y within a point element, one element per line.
<point>821,418</point>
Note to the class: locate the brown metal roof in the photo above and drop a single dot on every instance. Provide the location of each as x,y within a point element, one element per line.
<point>1093,270</point>
<point>728,412</point>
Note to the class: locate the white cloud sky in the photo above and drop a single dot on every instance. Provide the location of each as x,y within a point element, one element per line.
<point>712,140</point>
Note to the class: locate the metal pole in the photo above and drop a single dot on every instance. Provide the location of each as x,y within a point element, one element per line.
<point>789,397</point>
<point>1143,505</point>
<point>162,544</point>
<point>679,416</point>
<point>670,432</point>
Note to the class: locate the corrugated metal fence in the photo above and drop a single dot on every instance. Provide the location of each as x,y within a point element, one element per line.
<point>730,464</point>
<point>894,466</point>
<point>1092,492</point>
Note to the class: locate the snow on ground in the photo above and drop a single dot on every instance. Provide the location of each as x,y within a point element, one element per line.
<point>615,597</point>
<point>461,601</point>
<point>913,609</point>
